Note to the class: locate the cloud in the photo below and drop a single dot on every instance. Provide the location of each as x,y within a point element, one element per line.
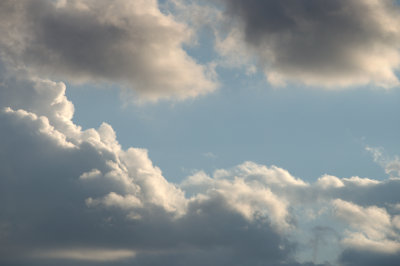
<point>127,42</point>
<point>356,257</point>
<point>373,222</point>
<point>390,165</point>
<point>356,214</point>
<point>322,44</point>
<point>99,255</point>
<point>67,195</point>
<point>328,181</point>
<point>374,238</point>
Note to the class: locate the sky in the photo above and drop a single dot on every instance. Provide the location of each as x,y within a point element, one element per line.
<point>196,132</point>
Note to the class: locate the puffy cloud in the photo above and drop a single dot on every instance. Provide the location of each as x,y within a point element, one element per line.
<point>248,197</point>
<point>373,221</point>
<point>127,42</point>
<point>271,176</point>
<point>330,44</point>
<point>71,196</point>
<point>328,181</point>
<point>366,206</point>
<point>374,236</point>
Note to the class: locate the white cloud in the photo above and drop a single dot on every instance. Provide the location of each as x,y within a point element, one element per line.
<point>270,175</point>
<point>374,228</point>
<point>360,241</point>
<point>328,181</point>
<point>361,181</point>
<point>375,222</point>
<point>94,173</point>
<point>84,254</point>
<point>41,125</point>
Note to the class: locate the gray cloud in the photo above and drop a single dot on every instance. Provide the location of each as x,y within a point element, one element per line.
<point>69,196</point>
<point>320,43</point>
<point>355,257</point>
<point>128,42</point>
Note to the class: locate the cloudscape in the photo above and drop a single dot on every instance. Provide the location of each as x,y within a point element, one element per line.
<point>189,132</point>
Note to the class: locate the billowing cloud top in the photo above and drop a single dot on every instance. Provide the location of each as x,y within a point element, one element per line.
<point>70,196</point>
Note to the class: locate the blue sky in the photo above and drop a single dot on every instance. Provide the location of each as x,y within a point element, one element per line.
<point>190,132</point>
<point>247,119</point>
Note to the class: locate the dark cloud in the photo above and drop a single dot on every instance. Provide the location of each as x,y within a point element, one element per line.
<point>70,196</point>
<point>353,257</point>
<point>45,218</point>
<point>128,42</point>
<point>51,168</point>
<point>321,43</point>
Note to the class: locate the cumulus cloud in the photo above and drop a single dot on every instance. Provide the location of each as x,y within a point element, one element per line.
<point>373,222</point>
<point>71,196</point>
<point>126,42</point>
<point>374,236</point>
<point>325,44</point>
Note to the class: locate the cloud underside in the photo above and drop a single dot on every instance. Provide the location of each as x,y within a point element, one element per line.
<point>130,43</point>
<point>334,44</point>
<point>135,46</point>
<point>70,196</point>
